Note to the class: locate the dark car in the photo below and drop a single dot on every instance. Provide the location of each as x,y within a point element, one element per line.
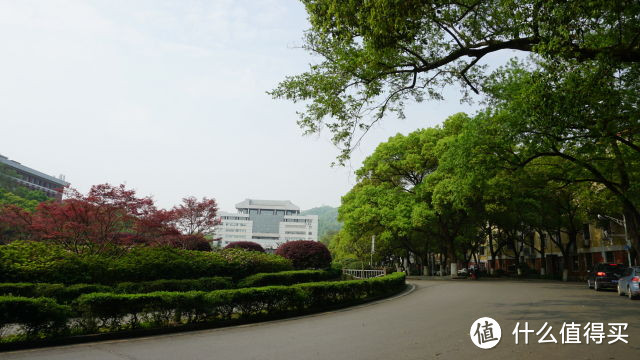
<point>605,276</point>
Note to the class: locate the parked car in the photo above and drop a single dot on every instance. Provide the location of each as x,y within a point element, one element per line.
<point>605,276</point>
<point>629,283</point>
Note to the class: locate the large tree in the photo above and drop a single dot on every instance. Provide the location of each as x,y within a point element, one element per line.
<point>375,55</point>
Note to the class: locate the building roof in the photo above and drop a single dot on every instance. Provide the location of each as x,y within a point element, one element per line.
<point>16,165</point>
<point>267,204</point>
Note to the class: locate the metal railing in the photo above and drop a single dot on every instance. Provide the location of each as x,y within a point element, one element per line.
<point>363,274</point>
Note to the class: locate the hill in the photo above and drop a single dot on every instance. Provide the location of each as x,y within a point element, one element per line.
<point>327,219</point>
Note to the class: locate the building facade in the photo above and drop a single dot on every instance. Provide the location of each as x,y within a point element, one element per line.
<point>594,244</point>
<point>35,180</point>
<point>266,222</point>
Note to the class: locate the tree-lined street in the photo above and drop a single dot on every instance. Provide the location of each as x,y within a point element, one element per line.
<point>432,322</point>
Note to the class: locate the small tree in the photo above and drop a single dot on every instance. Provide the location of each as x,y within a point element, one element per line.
<point>196,217</point>
<point>246,245</point>
<point>305,254</point>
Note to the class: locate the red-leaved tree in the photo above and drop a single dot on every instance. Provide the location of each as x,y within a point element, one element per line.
<point>15,223</point>
<point>91,223</point>
<point>196,217</point>
<point>111,217</point>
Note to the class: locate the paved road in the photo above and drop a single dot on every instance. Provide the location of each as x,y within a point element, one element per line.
<point>432,322</point>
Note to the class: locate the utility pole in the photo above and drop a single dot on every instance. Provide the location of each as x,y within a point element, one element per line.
<point>373,249</point>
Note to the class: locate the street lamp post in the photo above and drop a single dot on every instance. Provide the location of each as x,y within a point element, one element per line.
<point>622,223</point>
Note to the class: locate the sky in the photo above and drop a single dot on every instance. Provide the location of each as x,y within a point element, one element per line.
<point>169,97</point>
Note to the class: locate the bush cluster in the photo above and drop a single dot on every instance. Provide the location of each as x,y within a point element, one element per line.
<point>203,284</point>
<point>119,311</point>
<point>246,245</point>
<point>67,294</point>
<point>114,311</point>
<point>289,277</point>
<point>36,315</point>
<point>23,261</point>
<point>306,254</point>
<point>61,293</point>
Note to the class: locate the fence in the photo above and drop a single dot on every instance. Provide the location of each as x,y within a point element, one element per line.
<point>363,274</point>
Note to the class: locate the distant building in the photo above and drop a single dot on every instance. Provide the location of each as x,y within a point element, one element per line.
<point>35,180</point>
<point>266,222</point>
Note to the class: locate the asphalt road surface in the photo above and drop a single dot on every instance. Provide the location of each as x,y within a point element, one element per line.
<point>431,322</point>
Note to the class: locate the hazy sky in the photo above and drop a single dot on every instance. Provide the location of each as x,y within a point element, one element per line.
<point>169,98</point>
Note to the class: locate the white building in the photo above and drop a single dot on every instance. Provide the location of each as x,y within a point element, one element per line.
<point>266,222</point>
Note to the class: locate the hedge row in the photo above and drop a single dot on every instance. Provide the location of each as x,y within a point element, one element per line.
<point>159,309</point>
<point>61,293</point>
<point>289,277</point>
<point>36,315</point>
<point>28,261</point>
<point>67,294</point>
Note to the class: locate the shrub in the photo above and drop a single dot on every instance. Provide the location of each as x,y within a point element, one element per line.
<point>114,311</point>
<point>35,314</point>
<point>288,277</point>
<point>23,261</point>
<point>305,254</point>
<point>117,311</point>
<point>246,245</point>
<point>59,292</point>
<point>202,284</point>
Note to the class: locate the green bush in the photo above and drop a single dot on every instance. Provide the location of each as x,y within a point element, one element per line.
<point>34,314</point>
<point>202,284</point>
<point>117,311</point>
<point>67,294</point>
<point>18,289</point>
<point>99,311</point>
<point>59,292</point>
<point>288,277</point>
<point>28,261</point>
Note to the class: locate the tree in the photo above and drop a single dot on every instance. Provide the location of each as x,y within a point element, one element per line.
<point>305,254</point>
<point>196,217</point>
<point>91,223</point>
<point>585,116</point>
<point>401,197</point>
<point>377,55</point>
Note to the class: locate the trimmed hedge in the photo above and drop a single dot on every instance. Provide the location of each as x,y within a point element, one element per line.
<point>67,294</point>
<point>119,311</point>
<point>202,284</point>
<point>34,314</point>
<point>59,292</point>
<point>28,261</point>
<point>289,277</point>
<point>111,311</point>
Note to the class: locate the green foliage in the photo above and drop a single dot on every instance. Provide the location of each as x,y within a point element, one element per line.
<point>41,262</point>
<point>327,220</point>
<point>289,277</point>
<point>118,311</point>
<point>378,55</point>
<point>109,311</point>
<point>67,294</point>
<point>22,197</point>
<point>35,314</point>
<point>13,194</point>
<point>201,284</point>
